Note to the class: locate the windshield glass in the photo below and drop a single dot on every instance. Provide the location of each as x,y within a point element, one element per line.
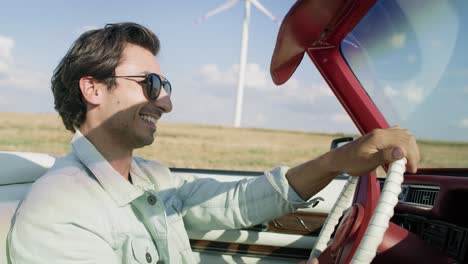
<point>411,58</point>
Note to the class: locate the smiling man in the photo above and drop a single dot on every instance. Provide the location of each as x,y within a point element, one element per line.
<point>99,204</point>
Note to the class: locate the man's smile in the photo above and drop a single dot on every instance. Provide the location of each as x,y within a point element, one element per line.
<point>149,119</point>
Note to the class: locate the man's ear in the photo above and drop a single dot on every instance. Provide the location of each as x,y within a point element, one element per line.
<point>91,90</point>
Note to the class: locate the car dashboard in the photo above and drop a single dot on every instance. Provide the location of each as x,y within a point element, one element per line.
<point>432,206</point>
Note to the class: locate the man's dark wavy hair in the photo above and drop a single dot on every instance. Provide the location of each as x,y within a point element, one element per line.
<point>95,53</point>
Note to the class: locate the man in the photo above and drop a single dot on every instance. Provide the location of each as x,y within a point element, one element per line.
<point>99,204</point>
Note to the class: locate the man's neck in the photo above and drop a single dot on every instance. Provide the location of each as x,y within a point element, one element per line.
<point>118,155</point>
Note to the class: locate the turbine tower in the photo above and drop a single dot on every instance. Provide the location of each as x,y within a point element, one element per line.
<point>244,42</point>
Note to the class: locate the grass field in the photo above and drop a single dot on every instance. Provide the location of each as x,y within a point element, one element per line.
<point>210,147</point>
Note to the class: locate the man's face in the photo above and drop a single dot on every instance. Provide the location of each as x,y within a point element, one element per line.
<point>131,118</point>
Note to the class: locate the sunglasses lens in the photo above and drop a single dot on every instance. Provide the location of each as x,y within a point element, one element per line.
<point>153,86</point>
<point>168,87</point>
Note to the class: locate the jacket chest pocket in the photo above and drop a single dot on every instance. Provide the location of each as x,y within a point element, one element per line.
<point>143,251</point>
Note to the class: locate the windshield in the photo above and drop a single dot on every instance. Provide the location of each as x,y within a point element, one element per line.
<point>410,56</point>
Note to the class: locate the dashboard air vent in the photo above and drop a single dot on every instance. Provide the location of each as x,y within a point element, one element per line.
<point>422,195</point>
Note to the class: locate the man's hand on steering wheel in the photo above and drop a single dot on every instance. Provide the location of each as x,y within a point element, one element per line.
<point>357,158</point>
<point>381,146</point>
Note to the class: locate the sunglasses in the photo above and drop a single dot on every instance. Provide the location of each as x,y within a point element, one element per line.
<point>153,83</point>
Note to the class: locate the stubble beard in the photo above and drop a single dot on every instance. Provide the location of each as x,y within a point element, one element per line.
<point>127,134</point>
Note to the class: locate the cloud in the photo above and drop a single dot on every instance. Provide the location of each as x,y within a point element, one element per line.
<point>4,102</point>
<point>466,90</point>
<point>414,94</point>
<point>411,58</point>
<point>6,53</point>
<point>13,76</point>
<point>257,79</point>
<point>398,40</point>
<point>6,47</point>
<point>296,105</point>
<point>294,88</point>
<point>25,80</point>
<point>410,92</point>
<point>436,43</point>
<point>390,92</point>
<point>464,123</point>
<point>263,96</point>
<point>341,118</point>
<point>260,119</point>
<point>193,107</point>
<point>210,74</point>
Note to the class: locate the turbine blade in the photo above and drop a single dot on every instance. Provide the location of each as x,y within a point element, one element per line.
<point>264,10</point>
<point>219,9</point>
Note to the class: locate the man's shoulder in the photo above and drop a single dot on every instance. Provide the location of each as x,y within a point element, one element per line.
<point>66,188</point>
<point>66,165</point>
<point>65,174</point>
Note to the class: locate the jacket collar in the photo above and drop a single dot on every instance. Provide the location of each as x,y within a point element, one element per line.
<point>121,190</point>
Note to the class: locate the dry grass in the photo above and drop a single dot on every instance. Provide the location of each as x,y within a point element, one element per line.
<point>196,146</point>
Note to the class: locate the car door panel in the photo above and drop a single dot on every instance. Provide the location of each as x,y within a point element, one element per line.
<point>286,239</point>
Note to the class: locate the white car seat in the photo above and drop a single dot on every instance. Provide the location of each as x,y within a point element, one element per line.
<point>18,170</point>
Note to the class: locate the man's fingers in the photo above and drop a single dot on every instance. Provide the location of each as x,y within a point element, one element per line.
<point>412,153</point>
<point>407,148</point>
<point>396,153</point>
<point>413,158</point>
<point>393,154</point>
<point>397,144</point>
<point>379,147</point>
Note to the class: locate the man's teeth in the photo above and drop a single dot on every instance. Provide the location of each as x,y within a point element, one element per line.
<point>149,119</point>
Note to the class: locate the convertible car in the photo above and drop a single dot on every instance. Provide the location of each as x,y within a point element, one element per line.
<point>389,62</point>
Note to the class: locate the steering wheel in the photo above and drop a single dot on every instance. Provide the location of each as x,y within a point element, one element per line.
<point>351,244</point>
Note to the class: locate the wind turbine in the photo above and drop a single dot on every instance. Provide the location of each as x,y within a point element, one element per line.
<point>244,41</point>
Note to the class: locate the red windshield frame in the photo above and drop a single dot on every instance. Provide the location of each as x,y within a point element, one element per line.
<point>317,28</point>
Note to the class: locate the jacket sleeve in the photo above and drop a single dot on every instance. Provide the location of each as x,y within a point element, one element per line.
<point>210,204</point>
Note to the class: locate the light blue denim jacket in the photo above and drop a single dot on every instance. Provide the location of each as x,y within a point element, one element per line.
<point>83,211</point>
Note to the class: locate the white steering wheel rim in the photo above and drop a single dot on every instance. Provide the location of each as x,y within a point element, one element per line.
<point>338,208</point>
<point>380,218</point>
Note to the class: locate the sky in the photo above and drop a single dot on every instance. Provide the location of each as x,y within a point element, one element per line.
<point>413,63</point>
<point>200,60</point>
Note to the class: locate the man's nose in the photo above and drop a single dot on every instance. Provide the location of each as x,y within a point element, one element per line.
<point>164,101</point>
